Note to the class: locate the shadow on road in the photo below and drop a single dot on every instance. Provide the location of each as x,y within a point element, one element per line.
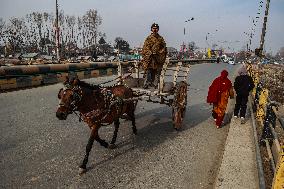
<point>154,128</point>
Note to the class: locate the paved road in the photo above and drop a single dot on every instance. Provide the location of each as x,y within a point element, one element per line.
<point>39,151</point>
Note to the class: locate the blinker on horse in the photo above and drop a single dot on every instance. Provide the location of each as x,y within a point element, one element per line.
<point>97,106</point>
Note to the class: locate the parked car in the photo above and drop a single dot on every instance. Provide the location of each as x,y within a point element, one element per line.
<point>275,63</point>
<point>112,58</point>
<point>224,58</point>
<point>265,61</point>
<point>101,59</point>
<point>73,60</point>
<point>125,57</point>
<point>231,61</point>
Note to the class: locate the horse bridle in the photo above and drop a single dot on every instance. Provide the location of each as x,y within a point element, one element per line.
<point>76,97</point>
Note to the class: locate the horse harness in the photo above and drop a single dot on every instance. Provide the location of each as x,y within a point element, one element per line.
<point>110,100</point>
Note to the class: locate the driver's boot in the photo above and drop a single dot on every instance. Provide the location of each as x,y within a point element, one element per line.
<point>156,81</point>
<point>157,77</point>
<point>148,79</point>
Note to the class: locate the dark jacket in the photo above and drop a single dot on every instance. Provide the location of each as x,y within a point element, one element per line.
<point>243,85</point>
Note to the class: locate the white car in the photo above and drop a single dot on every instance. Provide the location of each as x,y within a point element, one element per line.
<point>101,59</point>
<point>231,62</point>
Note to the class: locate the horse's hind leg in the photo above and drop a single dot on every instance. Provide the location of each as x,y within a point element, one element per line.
<point>113,140</point>
<point>132,118</point>
<point>101,141</point>
<point>134,129</point>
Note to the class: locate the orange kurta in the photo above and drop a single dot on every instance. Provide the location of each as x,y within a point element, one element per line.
<point>221,106</point>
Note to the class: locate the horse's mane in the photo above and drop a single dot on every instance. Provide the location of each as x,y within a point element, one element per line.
<point>88,85</point>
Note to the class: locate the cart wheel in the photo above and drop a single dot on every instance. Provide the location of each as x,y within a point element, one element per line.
<point>179,104</point>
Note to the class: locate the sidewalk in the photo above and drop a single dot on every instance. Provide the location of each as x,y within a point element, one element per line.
<point>238,169</point>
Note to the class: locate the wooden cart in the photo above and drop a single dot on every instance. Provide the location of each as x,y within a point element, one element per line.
<point>172,92</point>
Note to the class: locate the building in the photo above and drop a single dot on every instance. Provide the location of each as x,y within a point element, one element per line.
<point>30,56</point>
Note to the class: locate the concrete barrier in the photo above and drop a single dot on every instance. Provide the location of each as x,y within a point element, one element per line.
<point>34,75</point>
<point>13,82</point>
<point>16,71</point>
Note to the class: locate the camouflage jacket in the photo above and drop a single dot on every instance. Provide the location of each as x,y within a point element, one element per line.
<point>154,52</point>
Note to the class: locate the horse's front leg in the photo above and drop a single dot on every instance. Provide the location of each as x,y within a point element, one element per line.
<point>113,140</point>
<point>94,136</point>
<point>83,166</point>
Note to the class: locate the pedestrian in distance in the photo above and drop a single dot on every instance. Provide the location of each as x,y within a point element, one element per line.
<point>243,85</point>
<point>154,53</point>
<point>218,60</point>
<point>218,94</point>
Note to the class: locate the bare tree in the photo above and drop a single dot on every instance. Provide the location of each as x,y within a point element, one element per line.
<point>70,21</point>
<point>16,34</point>
<point>192,46</point>
<point>2,26</point>
<point>38,30</point>
<point>281,52</point>
<point>2,30</point>
<point>121,44</point>
<point>91,22</point>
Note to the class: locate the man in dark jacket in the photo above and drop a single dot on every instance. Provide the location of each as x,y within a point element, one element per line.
<point>243,85</point>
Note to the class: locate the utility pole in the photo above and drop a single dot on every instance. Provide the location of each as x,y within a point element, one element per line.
<point>57,33</point>
<point>264,28</point>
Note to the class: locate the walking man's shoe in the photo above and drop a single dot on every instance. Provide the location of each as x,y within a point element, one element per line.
<point>243,120</point>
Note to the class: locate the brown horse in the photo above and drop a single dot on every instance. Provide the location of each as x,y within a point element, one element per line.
<point>98,106</point>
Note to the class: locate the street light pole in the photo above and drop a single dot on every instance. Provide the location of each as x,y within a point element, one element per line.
<point>206,39</point>
<point>184,43</point>
<point>57,33</point>
<point>264,28</point>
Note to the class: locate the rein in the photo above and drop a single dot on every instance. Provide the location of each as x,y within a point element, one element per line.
<point>119,77</point>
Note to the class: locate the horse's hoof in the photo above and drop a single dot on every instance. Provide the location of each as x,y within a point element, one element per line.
<point>177,129</point>
<point>111,146</point>
<point>82,171</point>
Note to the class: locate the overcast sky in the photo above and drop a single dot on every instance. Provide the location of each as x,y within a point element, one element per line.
<point>131,19</point>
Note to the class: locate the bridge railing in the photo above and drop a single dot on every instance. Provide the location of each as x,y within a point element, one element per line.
<point>35,75</point>
<point>269,120</point>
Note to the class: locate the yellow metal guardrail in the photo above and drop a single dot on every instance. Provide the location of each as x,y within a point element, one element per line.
<point>266,115</point>
<point>278,181</point>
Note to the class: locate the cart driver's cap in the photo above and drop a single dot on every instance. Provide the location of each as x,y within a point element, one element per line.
<point>154,25</point>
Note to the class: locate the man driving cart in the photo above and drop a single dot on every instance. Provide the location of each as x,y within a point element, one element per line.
<point>154,55</point>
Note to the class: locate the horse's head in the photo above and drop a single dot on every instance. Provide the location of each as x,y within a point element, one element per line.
<point>69,97</point>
